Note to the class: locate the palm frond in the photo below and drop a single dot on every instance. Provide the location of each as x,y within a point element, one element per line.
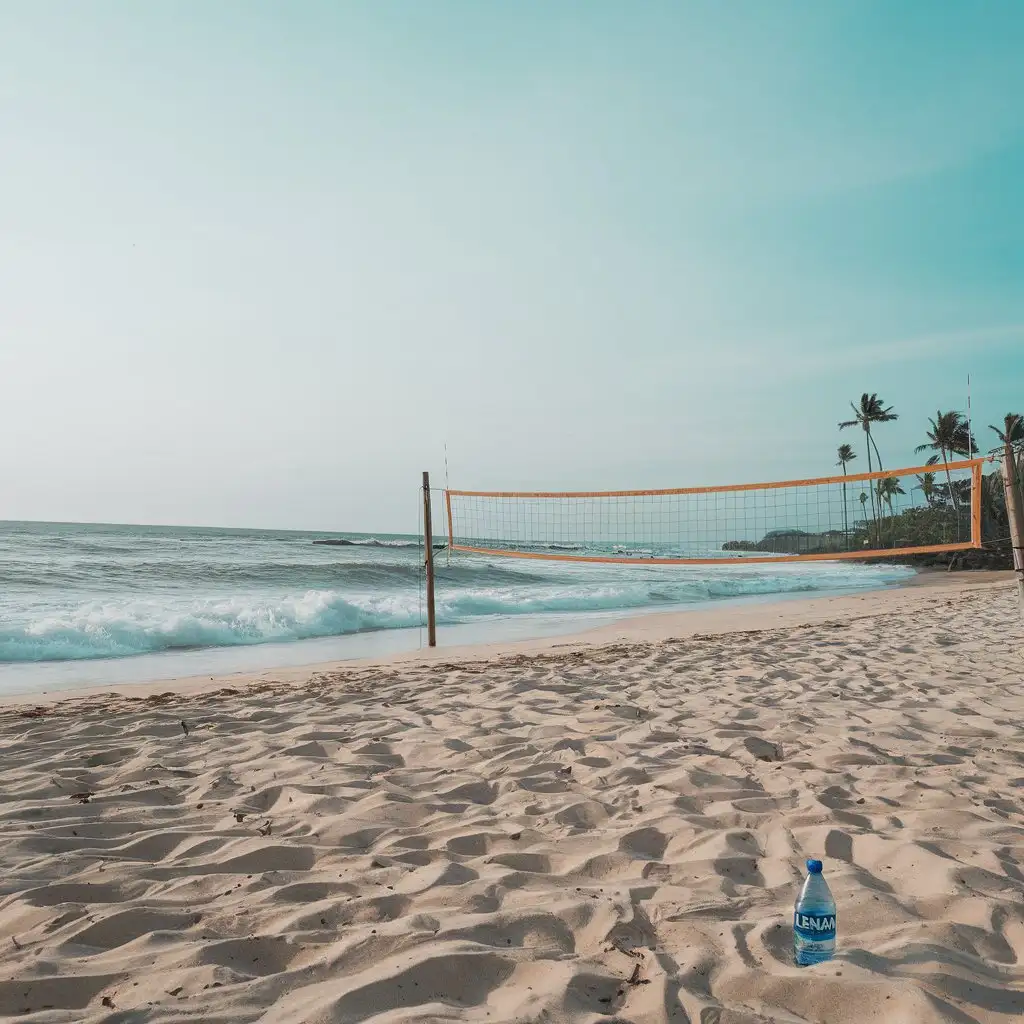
<point>1012,430</point>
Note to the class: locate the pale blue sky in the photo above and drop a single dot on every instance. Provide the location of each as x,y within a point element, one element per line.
<point>258,262</point>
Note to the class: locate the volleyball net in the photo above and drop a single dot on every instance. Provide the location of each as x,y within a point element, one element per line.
<point>920,510</point>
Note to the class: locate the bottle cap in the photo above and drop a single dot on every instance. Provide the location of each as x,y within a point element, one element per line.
<point>814,867</point>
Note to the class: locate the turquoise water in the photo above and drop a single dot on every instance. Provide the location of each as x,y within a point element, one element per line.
<point>72,592</point>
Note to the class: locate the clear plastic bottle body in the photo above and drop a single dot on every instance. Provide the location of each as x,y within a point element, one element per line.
<point>814,920</point>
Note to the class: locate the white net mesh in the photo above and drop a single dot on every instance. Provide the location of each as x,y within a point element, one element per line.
<point>916,510</point>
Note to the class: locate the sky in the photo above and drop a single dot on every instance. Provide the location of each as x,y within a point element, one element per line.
<point>261,262</point>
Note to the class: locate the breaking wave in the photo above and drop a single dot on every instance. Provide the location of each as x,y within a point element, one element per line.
<point>126,625</point>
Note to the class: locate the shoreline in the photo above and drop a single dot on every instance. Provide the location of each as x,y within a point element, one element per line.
<point>71,674</point>
<point>927,586</point>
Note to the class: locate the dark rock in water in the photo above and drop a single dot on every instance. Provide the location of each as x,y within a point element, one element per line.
<point>336,542</point>
<point>995,557</point>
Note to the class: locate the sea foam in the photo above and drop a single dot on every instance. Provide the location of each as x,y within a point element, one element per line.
<point>74,592</point>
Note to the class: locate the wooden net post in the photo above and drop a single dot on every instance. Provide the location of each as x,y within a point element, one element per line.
<point>1015,514</point>
<point>428,543</point>
<point>976,485</point>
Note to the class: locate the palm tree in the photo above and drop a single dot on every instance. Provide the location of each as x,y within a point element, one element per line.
<point>926,482</point>
<point>926,485</point>
<point>887,488</point>
<point>950,435</point>
<point>1013,429</point>
<point>994,521</point>
<point>870,410</point>
<point>846,455</point>
<point>1011,435</point>
<point>864,511</point>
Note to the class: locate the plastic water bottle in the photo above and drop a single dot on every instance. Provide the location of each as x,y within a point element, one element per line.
<point>814,919</point>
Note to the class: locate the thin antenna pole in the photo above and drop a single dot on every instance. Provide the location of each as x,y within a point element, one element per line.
<point>428,544</point>
<point>970,435</point>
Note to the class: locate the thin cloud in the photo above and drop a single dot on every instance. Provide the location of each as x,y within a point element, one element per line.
<point>944,343</point>
<point>837,354</point>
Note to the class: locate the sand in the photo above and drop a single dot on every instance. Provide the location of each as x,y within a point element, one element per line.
<point>610,828</point>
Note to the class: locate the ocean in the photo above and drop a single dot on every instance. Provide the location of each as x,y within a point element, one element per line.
<point>72,595</point>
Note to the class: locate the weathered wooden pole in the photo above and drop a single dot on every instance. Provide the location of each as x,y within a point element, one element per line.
<point>428,543</point>
<point>1015,514</point>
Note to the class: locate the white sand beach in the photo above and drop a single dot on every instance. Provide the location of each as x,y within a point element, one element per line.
<point>606,828</point>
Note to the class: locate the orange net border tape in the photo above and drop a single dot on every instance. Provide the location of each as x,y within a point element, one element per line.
<point>974,465</point>
<point>852,478</point>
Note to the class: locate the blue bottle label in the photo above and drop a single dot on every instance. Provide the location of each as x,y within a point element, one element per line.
<point>814,927</point>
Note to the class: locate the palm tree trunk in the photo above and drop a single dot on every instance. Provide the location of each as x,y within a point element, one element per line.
<point>952,493</point>
<point>846,515</point>
<point>871,485</point>
<point>878,454</point>
<point>881,512</point>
